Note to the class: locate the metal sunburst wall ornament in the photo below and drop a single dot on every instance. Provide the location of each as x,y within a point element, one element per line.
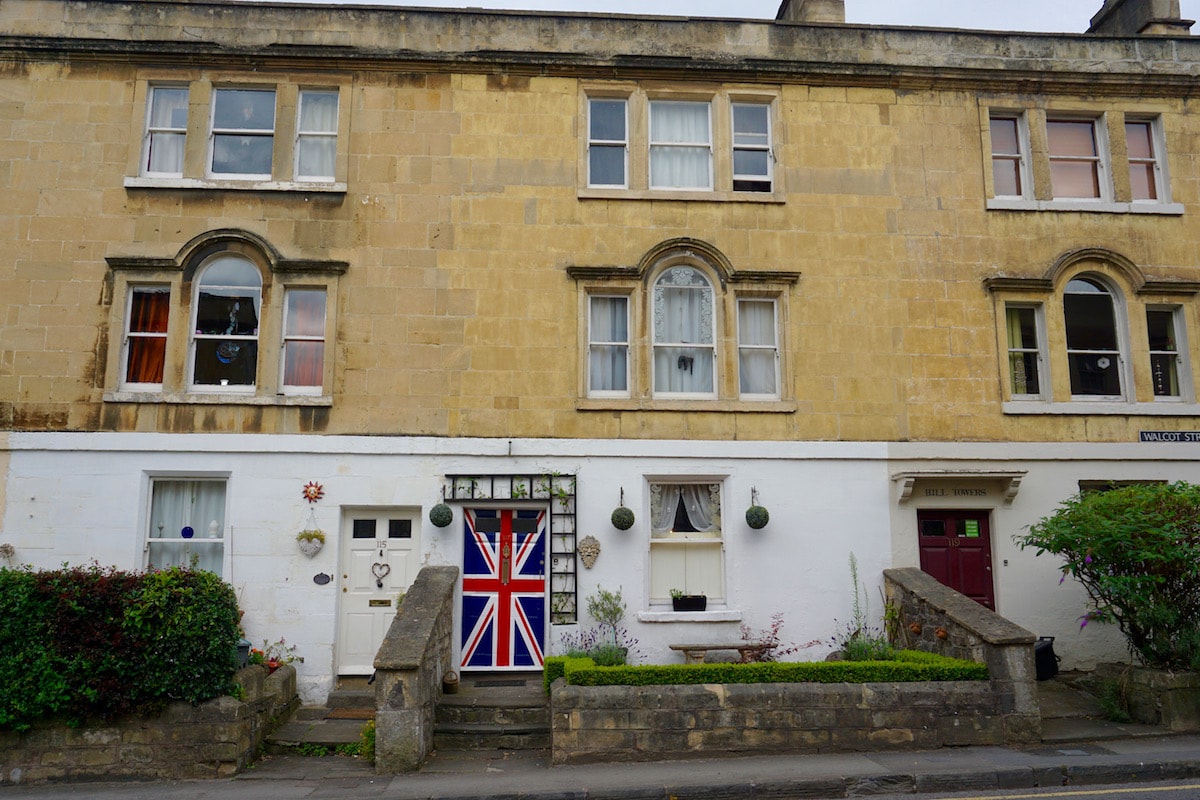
<point>313,491</point>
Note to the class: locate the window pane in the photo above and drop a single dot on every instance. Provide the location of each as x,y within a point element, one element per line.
<point>242,155</point>
<point>1094,375</point>
<point>607,120</point>
<point>1006,177</point>
<point>1022,327</point>
<point>756,322</point>
<point>680,168</point>
<point>168,107</point>
<point>303,363</point>
<point>167,130</point>
<point>224,362</point>
<point>318,112</point>
<point>1071,138</point>
<point>244,109</point>
<point>1138,141</point>
<point>606,165</point>
<point>608,368</point>
<point>751,162</point>
<point>1161,328</point>
<point>683,369</point>
<point>1074,179</point>
<point>1089,320</point>
<point>305,312</point>
<point>1005,137</point>
<point>316,157</point>
<point>1023,368</point>
<point>1164,352</point>
<point>609,319</point>
<point>1141,181</point>
<point>679,123</point>
<point>751,124</point>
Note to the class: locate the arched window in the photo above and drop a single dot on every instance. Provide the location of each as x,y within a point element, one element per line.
<point>684,336</point>
<point>1093,341</point>
<point>226,312</point>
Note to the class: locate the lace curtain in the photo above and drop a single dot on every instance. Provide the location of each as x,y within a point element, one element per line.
<point>701,503</point>
<point>683,332</point>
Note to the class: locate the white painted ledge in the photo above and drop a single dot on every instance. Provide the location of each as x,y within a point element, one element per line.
<point>715,615</point>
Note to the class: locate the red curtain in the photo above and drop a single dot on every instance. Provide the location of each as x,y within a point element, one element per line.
<point>148,314</point>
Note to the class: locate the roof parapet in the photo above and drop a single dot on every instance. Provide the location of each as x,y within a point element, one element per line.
<point>1140,18</point>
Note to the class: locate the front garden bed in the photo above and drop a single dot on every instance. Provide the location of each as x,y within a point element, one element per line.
<point>654,712</point>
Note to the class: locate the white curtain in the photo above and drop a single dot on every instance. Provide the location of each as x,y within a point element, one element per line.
<point>317,135</point>
<point>608,368</point>
<point>683,332</point>
<point>179,505</point>
<point>168,130</point>
<point>756,341</point>
<point>680,146</point>
<point>701,502</point>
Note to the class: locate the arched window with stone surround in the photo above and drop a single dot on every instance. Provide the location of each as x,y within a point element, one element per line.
<point>225,319</point>
<point>684,333</point>
<point>1094,351</point>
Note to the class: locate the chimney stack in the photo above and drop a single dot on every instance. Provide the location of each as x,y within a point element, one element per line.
<point>812,11</point>
<point>1140,18</point>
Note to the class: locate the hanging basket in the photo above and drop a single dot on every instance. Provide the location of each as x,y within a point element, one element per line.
<point>441,515</point>
<point>310,541</point>
<point>757,517</point>
<point>622,518</point>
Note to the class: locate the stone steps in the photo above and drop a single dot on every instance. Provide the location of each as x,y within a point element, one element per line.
<point>494,712</point>
<point>340,721</point>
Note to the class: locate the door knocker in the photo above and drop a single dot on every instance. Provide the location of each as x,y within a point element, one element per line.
<point>380,571</point>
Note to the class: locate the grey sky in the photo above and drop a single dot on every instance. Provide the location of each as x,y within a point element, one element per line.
<point>1012,15</point>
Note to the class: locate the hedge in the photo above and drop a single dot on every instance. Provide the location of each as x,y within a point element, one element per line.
<point>909,665</point>
<point>89,642</point>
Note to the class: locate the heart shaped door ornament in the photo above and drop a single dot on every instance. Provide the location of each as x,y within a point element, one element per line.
<point>380,571</point>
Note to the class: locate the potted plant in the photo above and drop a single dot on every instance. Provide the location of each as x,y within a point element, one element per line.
<point>311,540</point>
<point>688,602</point>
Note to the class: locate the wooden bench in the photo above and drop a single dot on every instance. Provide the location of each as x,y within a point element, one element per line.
<point>694,653</point>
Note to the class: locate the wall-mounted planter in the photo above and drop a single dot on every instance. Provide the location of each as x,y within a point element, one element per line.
<point>689,602</point>
<point>310,541</point>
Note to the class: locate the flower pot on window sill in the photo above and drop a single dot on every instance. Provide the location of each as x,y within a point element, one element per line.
<point>689,602</point>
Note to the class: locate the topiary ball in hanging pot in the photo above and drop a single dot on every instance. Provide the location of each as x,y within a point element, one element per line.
<point>441,515</point>
<point>757,517</point>
<point>622,518</point>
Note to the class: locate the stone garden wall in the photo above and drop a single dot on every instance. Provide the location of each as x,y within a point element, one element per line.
<point>409,667</point>
<point>1155,697</point>
<point>212,740</point>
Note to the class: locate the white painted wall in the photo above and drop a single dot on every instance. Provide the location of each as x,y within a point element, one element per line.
<point>81,497</point>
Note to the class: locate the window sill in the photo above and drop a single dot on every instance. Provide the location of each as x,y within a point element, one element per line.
<point>178,398</point>
<point>212,184</point>
<point>1096,206</point>
<point>1082,407</point>
<point>709,195</point>
<point>749,406</point>
<point>716,615</point>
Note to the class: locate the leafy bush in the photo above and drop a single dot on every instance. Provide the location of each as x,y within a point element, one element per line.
<point>1136,552</point>
<point>906,667</point>
<point>608,643</point>
<point>91,641</point>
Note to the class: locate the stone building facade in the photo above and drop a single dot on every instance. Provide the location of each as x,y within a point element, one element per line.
<point>907,289</point>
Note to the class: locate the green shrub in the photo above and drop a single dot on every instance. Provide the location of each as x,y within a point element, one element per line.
<point>100,642</point>
<point>366,741</point>
<point>906,667</point>
<point>1136,552</point>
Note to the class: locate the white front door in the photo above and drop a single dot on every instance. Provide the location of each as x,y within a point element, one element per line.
<point>380,558</point>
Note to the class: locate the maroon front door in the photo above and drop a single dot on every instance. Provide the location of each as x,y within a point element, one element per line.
<point>956,548</point>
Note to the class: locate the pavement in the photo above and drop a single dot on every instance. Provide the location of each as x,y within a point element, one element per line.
<point>1078,749</point>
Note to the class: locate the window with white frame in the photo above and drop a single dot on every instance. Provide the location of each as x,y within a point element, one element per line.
<point>608,142</point>
<point>303,341</point>
<point>752,153</point>
<point>1163,328</point>
<point>144,354</point>
<point>1145,167</point>
<point>686,541</point>
<point>680,144</point>
<point>1024,329</point>
<point>1010,167</point>
<point>316,135</point>
<point>758,348</point>
<point>242,133</point>
<point>1094,357</point>
<point>608,346</point>
<point>225,321</point>
<point>1077,158</point>
<point>166,131</point>
<point>186,524</point>
<point>684,361</point>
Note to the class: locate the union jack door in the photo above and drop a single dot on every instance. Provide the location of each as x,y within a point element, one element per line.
<point>504,588</point>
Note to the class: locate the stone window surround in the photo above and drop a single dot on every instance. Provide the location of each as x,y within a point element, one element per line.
<point>729,285</point>
<point>638,97</point>
<point>177,273</point>
<point>197,152</point>
<point>1116,195</point>
<point>1135,292</point>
